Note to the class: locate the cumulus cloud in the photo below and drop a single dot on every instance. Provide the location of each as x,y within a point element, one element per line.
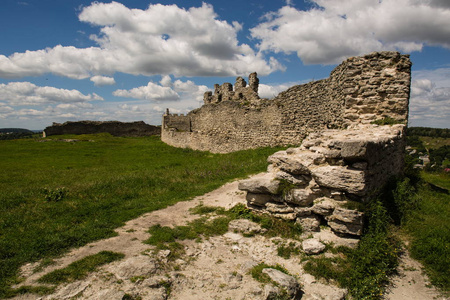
<point>26,93</point>
<point>332,30</point>
<point>102,80</point>
<point>163,39</point>
<point>430,98</point>
<point>151,91</point>
<point>270,91</point>
<point>167,90</point>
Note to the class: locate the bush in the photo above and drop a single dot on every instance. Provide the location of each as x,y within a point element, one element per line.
<point>55,195</point>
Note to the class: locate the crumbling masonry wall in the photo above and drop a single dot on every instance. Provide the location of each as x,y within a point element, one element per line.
<point>115,128</point>
<point>320,182</point>
<point>360,90</point>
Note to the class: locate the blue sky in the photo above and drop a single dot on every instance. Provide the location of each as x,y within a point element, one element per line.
<point>129,60</point>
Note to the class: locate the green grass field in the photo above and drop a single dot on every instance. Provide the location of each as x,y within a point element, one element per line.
<point>429,230</point>
<point>56,194</point>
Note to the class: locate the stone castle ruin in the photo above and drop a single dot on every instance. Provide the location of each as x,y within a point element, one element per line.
<point>115,128</point>
<point>345,160</point>
<point>360,90</point>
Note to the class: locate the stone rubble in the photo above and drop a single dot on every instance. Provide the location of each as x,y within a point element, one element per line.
<point>315,183</point>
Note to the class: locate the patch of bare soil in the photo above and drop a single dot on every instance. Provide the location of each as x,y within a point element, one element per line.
<point>411,283</point>
<point>217,268</point>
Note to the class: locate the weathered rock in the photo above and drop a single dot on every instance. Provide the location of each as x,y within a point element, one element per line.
<point>258,199</point>
<point>245,226</point>
<point>323,206</point>
<point>345,228</point>
<point>290,163</point>
<point>283,280</point>
<point>347,216</point>
<point>303,211</point>
<point>341,178</point>
<point>301,197</point>
<point>312,246</point>
<point>271,292</point>
<point>279,208</point>
<point>262,184</point>
<point>309,223</point>
<point>293,179</point>
<point>320,291</point>
<point>287,217</point>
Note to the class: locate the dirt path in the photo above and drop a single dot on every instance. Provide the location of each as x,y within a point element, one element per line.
<point>213,269</point>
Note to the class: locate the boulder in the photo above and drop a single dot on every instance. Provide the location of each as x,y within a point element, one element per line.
<point>283,280</point>
<point>260,184</point>
<point>312,246</point>
<point>258,199</point>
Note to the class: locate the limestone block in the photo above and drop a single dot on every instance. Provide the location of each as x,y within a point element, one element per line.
<point>323,206</point>
<point>347,216</point>
<point>279,208</point>
<point>285,281</point>
<point>258,199</point>
<point>260,184</point>
<point>303,211</point>
<point>286,217</point>
<point>312,246</point>
<point>309,223</point>
<point>289,163</point>
<point>294,179</point>
<point>341,178</point>
<point>346,228</point>
<point>301,197</point>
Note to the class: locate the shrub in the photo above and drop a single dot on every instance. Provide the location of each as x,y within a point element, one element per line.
<point>55,195</point>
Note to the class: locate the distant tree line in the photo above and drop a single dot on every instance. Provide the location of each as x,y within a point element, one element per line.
<point>15,133</point>
<point>426,131</point>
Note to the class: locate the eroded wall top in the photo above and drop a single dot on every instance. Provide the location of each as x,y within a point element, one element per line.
<point>360,90</point>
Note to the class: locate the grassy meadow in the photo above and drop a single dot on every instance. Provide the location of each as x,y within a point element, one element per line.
<point>57,194</point>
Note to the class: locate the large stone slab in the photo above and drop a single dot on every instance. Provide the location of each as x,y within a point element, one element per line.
<point>260,184</point>
<point>286,281</point>
<point>341,178</point>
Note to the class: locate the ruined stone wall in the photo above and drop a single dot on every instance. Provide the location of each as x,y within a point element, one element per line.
<point>319,182</point>
<point>115,128</point>
<point>360,90</point>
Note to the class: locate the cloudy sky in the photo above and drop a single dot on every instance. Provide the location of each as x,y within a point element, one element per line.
<point>129,60</point>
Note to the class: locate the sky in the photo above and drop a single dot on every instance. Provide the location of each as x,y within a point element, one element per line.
<point>129,60</point>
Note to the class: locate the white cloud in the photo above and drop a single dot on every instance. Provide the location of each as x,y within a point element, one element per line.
<point>163,39</point>
<point>102,80</point>
<point>166,91</point>
<point>270,91</point>
<point>334,30</point>
<point>430,98</point>
<point>151,91</point>
<point>26,93</point>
